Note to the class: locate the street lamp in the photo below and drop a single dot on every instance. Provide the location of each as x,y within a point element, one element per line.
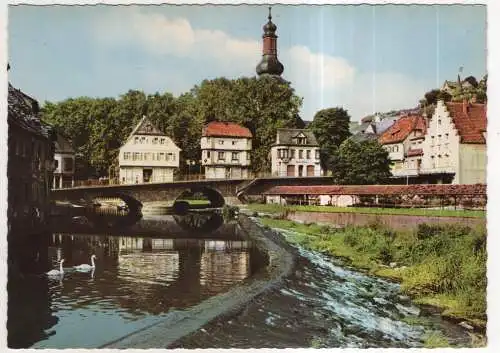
<point>189,163</point>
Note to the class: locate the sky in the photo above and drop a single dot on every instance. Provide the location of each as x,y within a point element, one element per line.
<point>363,58</point>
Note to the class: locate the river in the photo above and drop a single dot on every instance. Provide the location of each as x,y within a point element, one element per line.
<point>158,266</point>
<point>325,304</point>
<point>137,280</point>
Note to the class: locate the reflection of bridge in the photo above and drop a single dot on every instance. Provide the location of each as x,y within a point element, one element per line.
<point>218,191</point>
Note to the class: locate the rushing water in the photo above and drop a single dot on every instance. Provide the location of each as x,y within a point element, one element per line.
<point>325,304</point>
<point>136,282</point>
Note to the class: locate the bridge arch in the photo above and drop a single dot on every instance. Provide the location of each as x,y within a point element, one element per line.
<point>134,205</point>
<point>195,192</point>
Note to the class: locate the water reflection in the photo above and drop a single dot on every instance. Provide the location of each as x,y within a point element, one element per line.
<point>136,281</point>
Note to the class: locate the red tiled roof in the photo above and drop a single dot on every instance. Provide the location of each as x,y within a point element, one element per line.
<point>470,121</point>
<point>218,128</point>
<point>402,128</point>
<point>419,189</point>
<point>415,152</point>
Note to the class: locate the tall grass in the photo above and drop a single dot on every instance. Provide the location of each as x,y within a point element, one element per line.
<point>443,265</point>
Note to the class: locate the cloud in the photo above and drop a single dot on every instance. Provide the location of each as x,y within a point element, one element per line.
<point>323,80</point>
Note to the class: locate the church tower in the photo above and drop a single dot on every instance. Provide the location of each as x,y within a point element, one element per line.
<point>269,64</point>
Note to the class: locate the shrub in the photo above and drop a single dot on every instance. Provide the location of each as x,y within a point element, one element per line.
<point>350,239</point>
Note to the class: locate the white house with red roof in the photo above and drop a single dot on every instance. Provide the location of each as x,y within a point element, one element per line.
<point>403,141</point>
<point>225,150</point>
<point>455,142</point>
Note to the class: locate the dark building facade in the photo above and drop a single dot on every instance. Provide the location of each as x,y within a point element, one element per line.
<point>30,164</point>
<point>269,64</point>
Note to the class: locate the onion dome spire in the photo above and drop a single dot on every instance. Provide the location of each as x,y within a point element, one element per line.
<point>269,64</point>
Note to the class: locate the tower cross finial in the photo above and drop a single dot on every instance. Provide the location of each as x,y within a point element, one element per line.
<point>269,17</point>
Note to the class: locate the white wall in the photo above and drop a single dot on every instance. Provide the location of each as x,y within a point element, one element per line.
<point>148,153</point>
<point>134,174</point>
<point>441,144</point>
<point>279,165</point>
<point>473,162</point>
<point>226,172</point>
<point>59,157</point>
<point>211,146</point>
<point>396,151</point>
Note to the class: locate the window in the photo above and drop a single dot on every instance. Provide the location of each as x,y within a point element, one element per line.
<point>301,140</point>
<point>439,121</point>
<point>221,142</point>
<point>155,141</point>
<point>234,142</point>
<point>283,153</point>
<point>292,153</point>
<point>248,156</point>
<point>301,154</point>
<point>170,156</point>
<point>446,136</point>
<point>135,156</point>
<point>56,163</point>
<point>235,156</point>
<point>68,164</point>
<point>208,154</point>
<point>147,156</point>
<point>126,155</point>
<point>162,156</point>
<point>136,139</point>
<point>308,154</point>
<point>317,154</point>
<point>221,156</point>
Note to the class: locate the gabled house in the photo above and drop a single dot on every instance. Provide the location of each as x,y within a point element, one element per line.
<point>403,141</point>
<point>148,155</point>
<point>455,142</point>
<point>295,153</point>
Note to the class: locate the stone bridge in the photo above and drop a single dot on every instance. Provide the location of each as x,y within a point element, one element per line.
<point>218,191</point>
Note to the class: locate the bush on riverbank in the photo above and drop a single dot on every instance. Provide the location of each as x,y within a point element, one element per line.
<point>441,265</point>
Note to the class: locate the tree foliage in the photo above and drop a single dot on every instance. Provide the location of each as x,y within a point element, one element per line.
<point>331,128</point>
<point>361,163</point>
<point>98,127</point>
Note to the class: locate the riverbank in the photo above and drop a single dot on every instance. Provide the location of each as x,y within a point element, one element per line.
<point>440,265</point>
<point>275,208</point>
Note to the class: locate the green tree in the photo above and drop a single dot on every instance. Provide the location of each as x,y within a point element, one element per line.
<point>331,128</point>
<point>261,104</point>
<point>431,97</point>
<point>361,163</point>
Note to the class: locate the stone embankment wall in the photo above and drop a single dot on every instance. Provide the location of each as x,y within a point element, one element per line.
<point>396,222</point>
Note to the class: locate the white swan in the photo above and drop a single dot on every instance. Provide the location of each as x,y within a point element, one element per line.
<point>86,267</point>
<point>59,272</point>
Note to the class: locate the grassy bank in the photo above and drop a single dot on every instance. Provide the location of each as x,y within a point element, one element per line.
<point>275,208</point>
<point>443,265</point>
